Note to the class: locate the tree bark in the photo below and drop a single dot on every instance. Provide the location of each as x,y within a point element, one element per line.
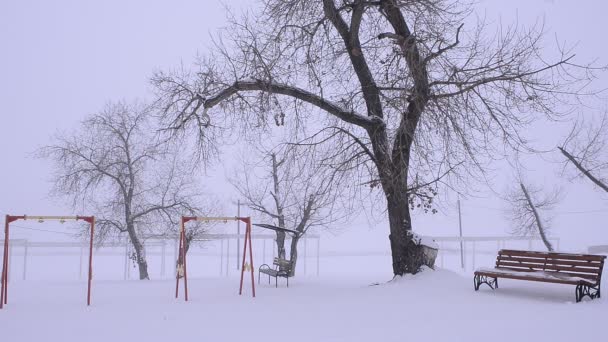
<point>539,225</point>
<point>140,257</point>
<point>408,257</point>
<point>281,244</point>
<point>293,254</point>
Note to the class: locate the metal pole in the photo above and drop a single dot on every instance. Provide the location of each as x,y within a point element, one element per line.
<point>10,263</point>
<point>474,252</point>
<point>460,229</point>
<point>126,268</point>
<point>25,259</point>
<point>238,233</point>
<point>162,260</point>
<point>318,244</point>
<point>80,264</point>
<point>90,260</point>
<point>228,256</point>
<point>176,255</point>
<point>305,253</point>
<point>4,290</point>
<point>221,256</point>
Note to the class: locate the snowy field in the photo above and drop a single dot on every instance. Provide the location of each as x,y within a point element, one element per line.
<point>436,305</point>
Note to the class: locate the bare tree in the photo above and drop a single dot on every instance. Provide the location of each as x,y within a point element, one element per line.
<point>290,190</point>
<point>527,204</point>
<point>422,97</point>
<point>114,166</point>
<point>585,148</point>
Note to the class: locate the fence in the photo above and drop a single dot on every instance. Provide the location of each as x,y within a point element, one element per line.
<point>481,248</point>
<point>210,255</point>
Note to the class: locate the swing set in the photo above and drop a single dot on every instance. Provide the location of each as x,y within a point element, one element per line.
<point>61,219</point>
<point>182,270</point>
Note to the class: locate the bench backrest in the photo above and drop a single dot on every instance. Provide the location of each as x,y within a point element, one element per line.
<point>282,264</point>
<point>585,266</point>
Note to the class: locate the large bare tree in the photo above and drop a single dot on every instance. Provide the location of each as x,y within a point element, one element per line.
<point>290,189</point>
<point>113,165</point>
<point>586,149</point>
<point>424,92</point>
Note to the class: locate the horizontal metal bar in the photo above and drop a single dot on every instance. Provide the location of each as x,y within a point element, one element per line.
<point>233,218</point>
<point>65,218</point>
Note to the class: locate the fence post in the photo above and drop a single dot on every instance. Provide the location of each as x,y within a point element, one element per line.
<point>25,260</point>
<point>221,256</point>
<point>305,252</point>
<point>162,260</point>
<point>126,266</point>
<point>80,263</point>
<point>227,256</point>
<point>318,253</point>
<point>263,251</point>
<point>474,253</point>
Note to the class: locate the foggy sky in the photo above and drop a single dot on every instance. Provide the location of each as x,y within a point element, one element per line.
<point>63,60</point>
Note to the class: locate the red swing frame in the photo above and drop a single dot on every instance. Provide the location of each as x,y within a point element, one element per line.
<point>182,251</point>
<point>11,218</point>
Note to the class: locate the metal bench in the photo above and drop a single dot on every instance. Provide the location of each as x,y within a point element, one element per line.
<point>582,270</point>
<point>281,268</point>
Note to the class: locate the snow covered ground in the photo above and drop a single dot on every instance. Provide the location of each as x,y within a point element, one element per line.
<point>434,306</point>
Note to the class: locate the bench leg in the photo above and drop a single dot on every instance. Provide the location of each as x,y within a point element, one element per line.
<point>287,281</point>
<point>585,290</point>
<point>480,279</point>
<point>276,282</point>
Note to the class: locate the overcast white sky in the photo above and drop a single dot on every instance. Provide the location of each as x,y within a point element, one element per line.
<point>61,60</point>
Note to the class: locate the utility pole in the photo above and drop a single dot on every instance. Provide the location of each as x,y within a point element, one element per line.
<point>460,228</point>
<point>238,233</point>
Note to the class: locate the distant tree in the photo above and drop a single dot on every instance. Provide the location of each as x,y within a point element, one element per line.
<point>423,98</point>
<point>288,189</point>
<point>113,165</point>
<point>586,148</point>
<point>527,206</point>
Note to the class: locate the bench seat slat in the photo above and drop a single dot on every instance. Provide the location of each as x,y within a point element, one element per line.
<point>550,277</point>
<point>557,262</point>
<point>589,271</point>
<point>552,255</point>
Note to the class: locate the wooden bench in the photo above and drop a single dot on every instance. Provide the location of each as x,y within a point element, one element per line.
<point>582,270</point>
<point>281,268</point>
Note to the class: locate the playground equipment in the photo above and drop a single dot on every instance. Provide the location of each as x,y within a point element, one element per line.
<point>182,270</point>
<point>62,219</point>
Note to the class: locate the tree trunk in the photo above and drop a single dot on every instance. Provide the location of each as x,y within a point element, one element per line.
<point>539,225</point>
<point>408,256</point>
<point>140,256</point>
<point>293,254</point>
<point>281,244</point>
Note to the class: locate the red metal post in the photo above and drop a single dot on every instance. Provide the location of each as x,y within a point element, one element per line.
<point>179,252</point>
<point>184,261</point>
<point>243,263</point>
<point>251,257</point>
<point>92,222</point>
<point>3,290</point>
